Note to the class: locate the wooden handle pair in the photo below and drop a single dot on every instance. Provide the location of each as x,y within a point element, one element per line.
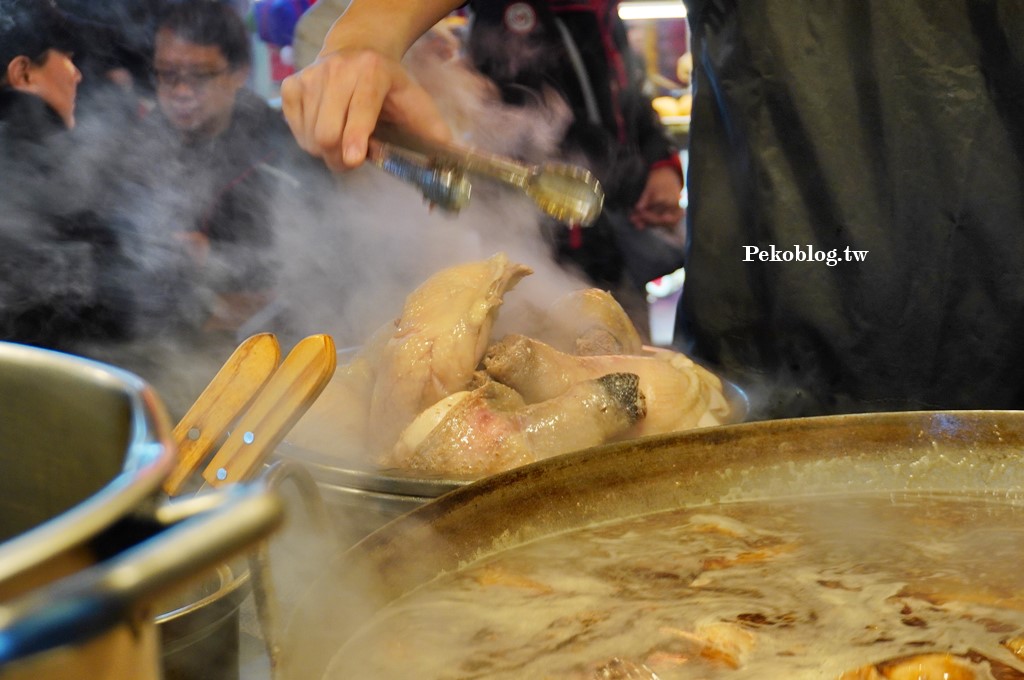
<point>271,399</point>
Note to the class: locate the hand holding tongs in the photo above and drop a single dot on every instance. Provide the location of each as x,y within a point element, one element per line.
<point>568,193</point>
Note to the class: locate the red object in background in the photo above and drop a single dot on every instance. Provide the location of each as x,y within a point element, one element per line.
<point>279,69</point>
<point>575,236</point>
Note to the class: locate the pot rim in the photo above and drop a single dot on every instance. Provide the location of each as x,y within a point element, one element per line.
<point>231,582</point>
<point>149,457</point>
<point>964,452</point>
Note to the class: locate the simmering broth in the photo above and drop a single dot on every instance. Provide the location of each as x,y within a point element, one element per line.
<point>798,588</point>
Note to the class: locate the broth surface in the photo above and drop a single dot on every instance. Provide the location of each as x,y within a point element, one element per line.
<point>803,588</point>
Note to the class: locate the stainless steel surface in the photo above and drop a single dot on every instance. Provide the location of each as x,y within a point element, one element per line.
<point>115,591</point>
<point>958,452</point>
<point>357,500</point>
<point>568,193</point>
<point>199,627</point>
<point>265,594</point>
<point>90,543</point>
<point>443,185</point>
<point>83,444</point>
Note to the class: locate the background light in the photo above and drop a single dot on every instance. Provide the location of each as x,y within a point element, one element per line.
<point>663,9</point>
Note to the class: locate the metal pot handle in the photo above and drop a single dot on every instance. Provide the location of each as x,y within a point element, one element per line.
<point>198,533</point>
<point>264,594</point>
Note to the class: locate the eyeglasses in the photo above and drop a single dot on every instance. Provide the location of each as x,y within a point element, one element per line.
<point>194,80</point>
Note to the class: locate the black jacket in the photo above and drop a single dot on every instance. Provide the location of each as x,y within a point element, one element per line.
<point>580,51</point>
<point>57,262</point>
<point>223,188</point>
<point>893,128</point>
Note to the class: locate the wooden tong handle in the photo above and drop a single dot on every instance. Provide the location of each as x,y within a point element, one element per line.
<point>227,395</point>
<point>284,399</point>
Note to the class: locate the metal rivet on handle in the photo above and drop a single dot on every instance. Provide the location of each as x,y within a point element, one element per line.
<point>193,434</point>
<point>222,474</point>
<point>248,437</point>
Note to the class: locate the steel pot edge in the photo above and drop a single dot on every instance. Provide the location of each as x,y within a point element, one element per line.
<point>148,458</point>
<point>927,451</point>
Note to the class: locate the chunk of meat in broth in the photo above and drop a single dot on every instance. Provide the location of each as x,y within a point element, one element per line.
<point>1015,645</point>
<point>437,343</point>
<point>491,429</point>
<point>927,667</point>
<point>935,666</point>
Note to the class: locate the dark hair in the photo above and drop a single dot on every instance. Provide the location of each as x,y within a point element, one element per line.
<point>32,27</point>
<point>209,22</point>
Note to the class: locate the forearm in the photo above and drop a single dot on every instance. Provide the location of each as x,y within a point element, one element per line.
<point>387,26</point>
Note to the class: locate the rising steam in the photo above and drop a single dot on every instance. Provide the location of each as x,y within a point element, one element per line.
<point>346,260</point>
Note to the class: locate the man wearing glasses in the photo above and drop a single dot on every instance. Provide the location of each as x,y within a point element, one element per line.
<point>214,155</point>
<point>201,64</point>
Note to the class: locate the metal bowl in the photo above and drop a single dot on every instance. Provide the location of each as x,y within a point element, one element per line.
<point>83,444</point>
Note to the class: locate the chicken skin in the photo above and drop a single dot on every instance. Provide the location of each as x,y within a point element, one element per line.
<point>492,429</point>
<point>437,342</point>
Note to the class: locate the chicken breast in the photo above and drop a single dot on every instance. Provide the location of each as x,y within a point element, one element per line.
<point>437,343</point>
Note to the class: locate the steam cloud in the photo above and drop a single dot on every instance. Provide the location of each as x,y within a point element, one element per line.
<point>347,261</point>
<point>348,270</point>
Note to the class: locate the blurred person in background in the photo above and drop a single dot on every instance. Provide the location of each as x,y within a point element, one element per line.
<point>58,286</point>
<point>580,51</point>
<point>114,49</point>
<point>216,156</point>
<point>890,129</point>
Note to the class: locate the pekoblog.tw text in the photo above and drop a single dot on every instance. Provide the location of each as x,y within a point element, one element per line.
<point>807,253</point>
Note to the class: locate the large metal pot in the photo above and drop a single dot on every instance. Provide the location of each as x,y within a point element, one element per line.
<point>360,500</point>
<point>200,626</point>
<point>89,541</point>
<point>976,452</point>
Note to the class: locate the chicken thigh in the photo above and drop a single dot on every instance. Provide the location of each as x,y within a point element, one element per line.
<point>491,429</point>
<point>678,394</point>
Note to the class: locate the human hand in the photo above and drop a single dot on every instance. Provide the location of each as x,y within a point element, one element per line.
<point>333,105</point>
<point>659,203</point>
